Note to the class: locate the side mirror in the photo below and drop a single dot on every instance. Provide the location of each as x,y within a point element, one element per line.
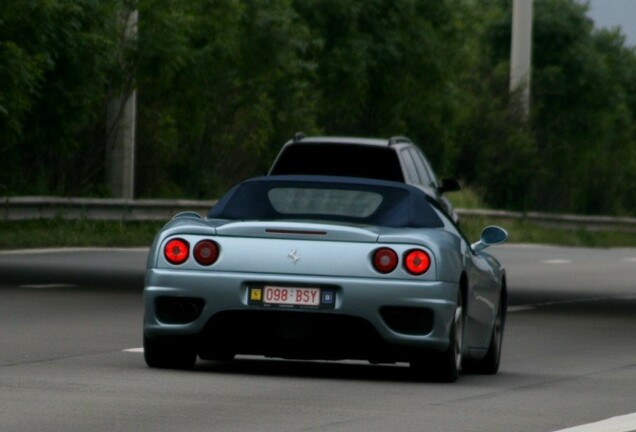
<point>450,185</point>
<point>491,235</point>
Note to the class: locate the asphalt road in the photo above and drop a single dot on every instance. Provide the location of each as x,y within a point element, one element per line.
<point>70,329</point>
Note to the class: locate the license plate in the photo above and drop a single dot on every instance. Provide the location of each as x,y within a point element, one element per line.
<point>292,296</point>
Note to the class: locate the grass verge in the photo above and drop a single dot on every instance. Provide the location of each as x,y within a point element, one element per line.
<point>78,233</point>
<point>87,233</point>
<point>524,231</point>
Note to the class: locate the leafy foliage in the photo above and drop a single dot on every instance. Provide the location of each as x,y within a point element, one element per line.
<point>54,75</point>
<point>223,83</point>
<point>228,79</point>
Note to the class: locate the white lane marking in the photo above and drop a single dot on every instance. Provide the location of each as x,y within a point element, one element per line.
<point>629,259</point>
<point>557,261</point>
<point>133,350</point>
<point>48,286</point>
<point>624,423</point>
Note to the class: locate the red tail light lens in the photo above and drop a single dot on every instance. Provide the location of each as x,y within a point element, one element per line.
<point>176,251</point>
<point>206,252</point>
<point>417,262</point>
<point>385,260</point>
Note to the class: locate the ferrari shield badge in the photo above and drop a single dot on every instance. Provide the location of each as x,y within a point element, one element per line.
<point>293,256</point>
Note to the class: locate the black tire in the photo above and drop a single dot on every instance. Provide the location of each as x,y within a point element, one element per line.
<point>446,366</point>
<point>169,354</point>
<point>489,365</point>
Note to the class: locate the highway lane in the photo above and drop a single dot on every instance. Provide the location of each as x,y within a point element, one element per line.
<point>67,317</point>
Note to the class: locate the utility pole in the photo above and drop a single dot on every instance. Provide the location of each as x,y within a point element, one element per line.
<point>120,123</point>
<point>521,51</point>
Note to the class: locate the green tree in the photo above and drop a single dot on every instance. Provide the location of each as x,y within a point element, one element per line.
<point>495,152</point>
<point>581,140</point>
<point>220,81</point>
<point>385,68</point>
<point>223,83</point>
<point>54,78</point>
<point>582,121</point>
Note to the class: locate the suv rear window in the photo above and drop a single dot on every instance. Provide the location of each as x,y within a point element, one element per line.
<point>348,160</point>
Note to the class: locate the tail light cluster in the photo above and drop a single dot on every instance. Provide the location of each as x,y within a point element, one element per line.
<point>177,251</point>
<point>415,261</point>
<point>385,260</point>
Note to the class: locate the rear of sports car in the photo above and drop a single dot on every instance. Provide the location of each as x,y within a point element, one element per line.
<point>300,290</point>
<point>294,287</point>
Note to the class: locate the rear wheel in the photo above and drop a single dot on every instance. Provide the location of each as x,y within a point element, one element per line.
<point>489,365</point>
<point>169,354</point>
<point>446,366</point>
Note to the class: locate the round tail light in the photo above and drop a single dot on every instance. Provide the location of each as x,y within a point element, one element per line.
<point>206,252</point>
<point>417,262</point>
<point>385,260</point>
<point>176,251</point>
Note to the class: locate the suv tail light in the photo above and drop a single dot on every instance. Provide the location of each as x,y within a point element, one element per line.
<point>385,260</point>
<point>176,251</point>
<point>417,262</point>
<point>206,252</point>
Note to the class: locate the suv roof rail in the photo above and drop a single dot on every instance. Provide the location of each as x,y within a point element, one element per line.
<point>399,139</point>
<point>298,136</point>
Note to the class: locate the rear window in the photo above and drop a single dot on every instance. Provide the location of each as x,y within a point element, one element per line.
<point>346,160</point>
<point>361,201</point>
<point>324,202</point>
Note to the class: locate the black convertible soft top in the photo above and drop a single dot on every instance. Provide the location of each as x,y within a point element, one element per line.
<point>344,199</point>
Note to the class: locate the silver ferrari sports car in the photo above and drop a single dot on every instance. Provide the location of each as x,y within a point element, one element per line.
<point>318,267</point>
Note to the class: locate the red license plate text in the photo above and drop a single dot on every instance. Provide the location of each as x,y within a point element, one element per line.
<point>291,296</point>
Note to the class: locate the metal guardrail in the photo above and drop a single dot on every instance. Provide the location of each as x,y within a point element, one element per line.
<point>29,208</point>
<point>572,221</point>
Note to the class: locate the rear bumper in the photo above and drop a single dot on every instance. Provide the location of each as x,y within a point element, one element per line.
<point>370,317</point>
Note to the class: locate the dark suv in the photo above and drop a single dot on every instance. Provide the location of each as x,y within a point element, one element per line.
<point>395,159</point>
